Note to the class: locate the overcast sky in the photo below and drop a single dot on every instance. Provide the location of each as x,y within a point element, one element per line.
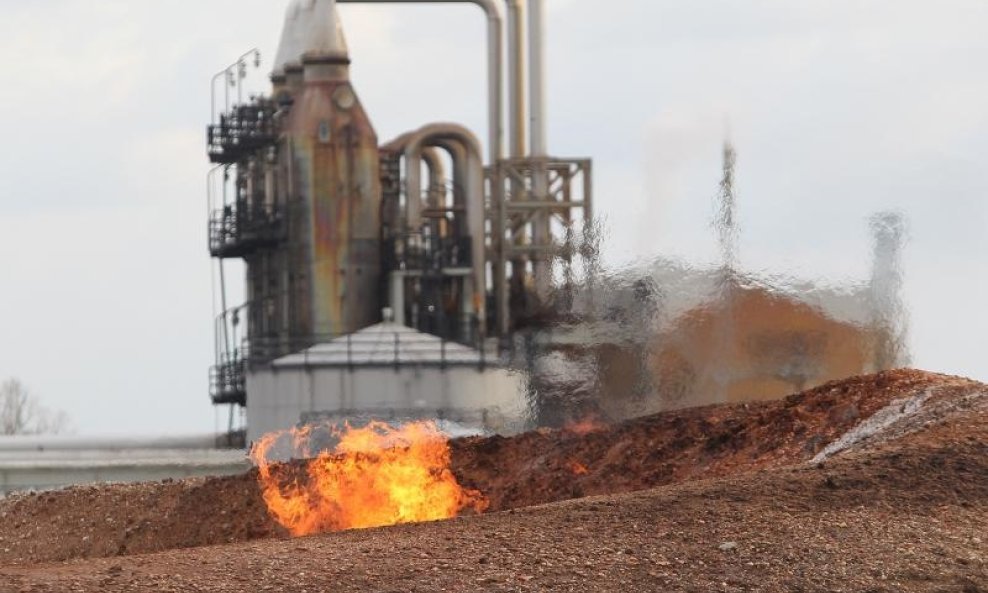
<point>838,109</point>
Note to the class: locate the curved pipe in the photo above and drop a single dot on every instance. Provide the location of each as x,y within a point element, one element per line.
<point>458,155</point>
<point>398,144</point>
<point>437,172</point>
<point>495,31</point>
<point>437,177</point>
<point>473,189</point>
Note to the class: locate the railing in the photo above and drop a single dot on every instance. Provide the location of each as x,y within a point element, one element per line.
<point>228,381</point>
<point>384,349</point>
<point>245,129</point>
<point>425,253</point>
<point>397,350</point>
<point>235,231</point>
<point>264,348</point>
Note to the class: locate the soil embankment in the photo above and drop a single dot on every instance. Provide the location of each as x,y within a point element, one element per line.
<point>725,498</point>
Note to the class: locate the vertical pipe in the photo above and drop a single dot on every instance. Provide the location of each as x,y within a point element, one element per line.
<point>211,210</point>
<point>474,192</point>
<point>588,206</point>
<point>223,303</point>
<point>536,40</point>
<point>500,265</point>
<point>516,77</point>
<point>413,194</point>
<point>397,297</point>
<point>270,188</point>
<point>458,155</point>
<point>518,117</point>
<point>495,86</point>
<point>436,194</point>
<point>541,235</point>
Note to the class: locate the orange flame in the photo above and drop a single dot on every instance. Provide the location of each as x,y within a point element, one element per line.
<point>374,476</point>
<point>578,468</point>
<point>585,426</point>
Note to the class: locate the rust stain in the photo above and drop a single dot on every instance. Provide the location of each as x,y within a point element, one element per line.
<point>337,162</point>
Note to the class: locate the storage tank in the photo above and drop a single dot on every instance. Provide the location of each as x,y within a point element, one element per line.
<point>387,372</point>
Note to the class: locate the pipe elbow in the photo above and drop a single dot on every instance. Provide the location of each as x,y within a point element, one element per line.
<point>491,7</point>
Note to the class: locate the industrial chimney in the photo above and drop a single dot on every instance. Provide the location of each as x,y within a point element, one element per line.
<point>334,158</point>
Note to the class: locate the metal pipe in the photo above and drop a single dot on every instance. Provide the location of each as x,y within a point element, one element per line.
<point>518,113</point>
<point>495,31</point>
<point>518,116</point>
<point>458,155</point>
<point>474,193</point>
<point>437,178</point>
<point>536,41</point>
<point>459,152</point>
<point>212,270</point>
<point>397,285</point>
<point>226,71</point>
<point>210,206</point>
<point>541,232</point>
<point>223,301</point>
<point>437,175</point>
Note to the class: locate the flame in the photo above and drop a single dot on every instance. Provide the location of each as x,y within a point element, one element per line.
<point>578,468</point>
<point>375,476</point>
<point>584,426</point>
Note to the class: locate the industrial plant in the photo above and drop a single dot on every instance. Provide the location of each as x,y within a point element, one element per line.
<point>424,277</point>
<point>377,252</point>
<point>436,379</point>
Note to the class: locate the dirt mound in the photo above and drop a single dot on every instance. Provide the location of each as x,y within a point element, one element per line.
<point>122,519</point>
<point>531,469</point>
<point>548,466</point>
<point>900,517</point>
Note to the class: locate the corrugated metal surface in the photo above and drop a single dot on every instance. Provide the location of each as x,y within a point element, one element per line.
<point>386,344</point>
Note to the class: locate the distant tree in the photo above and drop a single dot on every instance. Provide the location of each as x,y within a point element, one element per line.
<point>20,413</point>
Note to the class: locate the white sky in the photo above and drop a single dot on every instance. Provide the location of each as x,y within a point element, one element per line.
<point>838,108</point>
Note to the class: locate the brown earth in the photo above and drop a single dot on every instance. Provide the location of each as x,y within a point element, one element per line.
<point>905,509</point>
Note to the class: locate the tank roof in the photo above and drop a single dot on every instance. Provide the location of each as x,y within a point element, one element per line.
<point>385,344</point>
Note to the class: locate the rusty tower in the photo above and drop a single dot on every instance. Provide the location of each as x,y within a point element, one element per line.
<point>336,230</point>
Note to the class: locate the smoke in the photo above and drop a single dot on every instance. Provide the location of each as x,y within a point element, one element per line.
<point>889,314</point>
<point>664,333</point>
<point>728,232</point>
<point>725,221</point>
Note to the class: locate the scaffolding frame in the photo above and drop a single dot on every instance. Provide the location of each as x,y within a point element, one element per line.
<point>515,209</point>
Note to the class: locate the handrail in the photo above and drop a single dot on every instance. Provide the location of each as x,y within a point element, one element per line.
<point>228,375</point>
<point>237,64</point>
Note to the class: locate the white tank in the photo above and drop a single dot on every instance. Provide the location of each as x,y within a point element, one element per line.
<point>386,372</point>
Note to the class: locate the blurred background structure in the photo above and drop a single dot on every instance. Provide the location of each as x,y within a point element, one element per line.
<point>838,110</point>
<point>382,280</point>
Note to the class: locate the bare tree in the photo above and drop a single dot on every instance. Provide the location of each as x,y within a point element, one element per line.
<point>20,412</point>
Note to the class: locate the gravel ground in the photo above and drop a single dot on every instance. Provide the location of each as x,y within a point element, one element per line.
<point>904,519</point>
<point>735,506</point>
